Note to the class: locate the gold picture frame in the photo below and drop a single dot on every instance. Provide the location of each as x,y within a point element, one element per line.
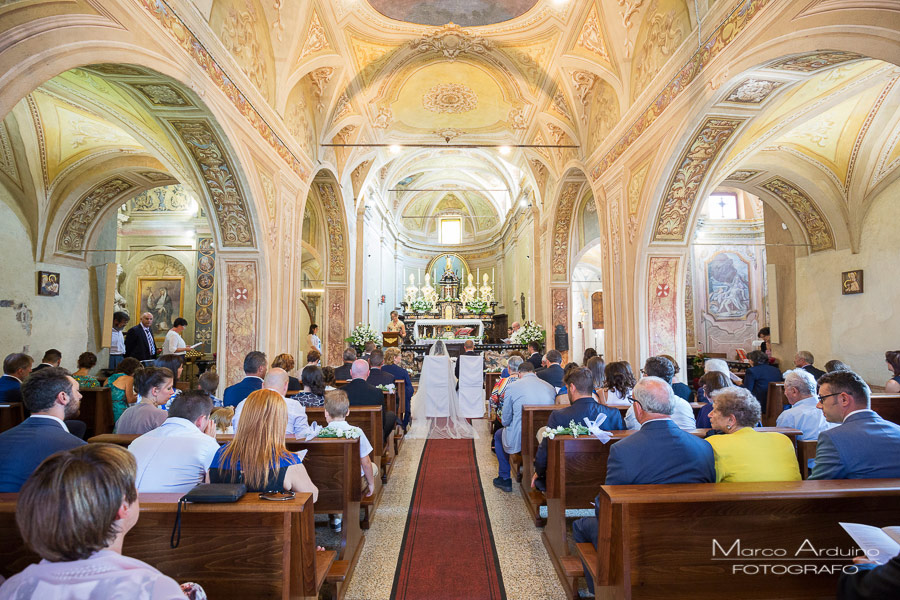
<point>163,297</point>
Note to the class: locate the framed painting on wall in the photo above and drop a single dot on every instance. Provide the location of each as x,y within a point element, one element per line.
<point>48,283</point>
<point>852,282</point>
<point>727,287</point>
<point>162,297</point>
<point>597,310</point>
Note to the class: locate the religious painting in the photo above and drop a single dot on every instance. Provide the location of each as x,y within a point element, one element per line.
<point>466,13</point>
<point>162,297</point>
<point>48,283</point>
<point>852,282</point>
<point>727,287</point>
<point>597,310</point>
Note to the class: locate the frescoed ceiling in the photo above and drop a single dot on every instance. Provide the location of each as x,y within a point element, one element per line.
<point>468,13</point>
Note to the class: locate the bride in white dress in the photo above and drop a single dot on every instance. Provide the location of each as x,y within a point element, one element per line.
<point>435,406</point>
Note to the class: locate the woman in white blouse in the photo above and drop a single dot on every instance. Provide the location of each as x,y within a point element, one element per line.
<point>174,343</point>
<point>312,340</point>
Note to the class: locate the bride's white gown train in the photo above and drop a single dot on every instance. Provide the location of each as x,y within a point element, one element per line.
<point>435,406</point>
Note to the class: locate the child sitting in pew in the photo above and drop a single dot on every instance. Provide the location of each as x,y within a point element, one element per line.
<point>337,407</point>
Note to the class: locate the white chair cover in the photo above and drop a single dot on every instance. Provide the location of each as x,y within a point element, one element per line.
<point>471,387</point>
<point>436,381</point>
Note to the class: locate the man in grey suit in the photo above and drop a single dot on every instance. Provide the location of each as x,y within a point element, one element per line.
<point>864,446</point>
<point>528,389</point>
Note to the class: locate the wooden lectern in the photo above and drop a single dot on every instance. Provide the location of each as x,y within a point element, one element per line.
<point>391,339</point>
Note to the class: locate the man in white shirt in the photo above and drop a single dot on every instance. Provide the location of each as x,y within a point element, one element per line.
<point>117,343</point>
<point>175,457</point>
<point>804,414</point>
<point>174,343</point>
<point>683,414</point>
<point>297,424</point>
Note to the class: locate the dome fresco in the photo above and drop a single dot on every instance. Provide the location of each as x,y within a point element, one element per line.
<point>467,13</point>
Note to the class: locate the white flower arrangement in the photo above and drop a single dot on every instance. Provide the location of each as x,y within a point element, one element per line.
<point>573,430</point>
<point>420,305</point>
<point>529,332</point>
<point>348,434</point>
<point>362,334</point>
<point>477,306</point>
<point>389,387</point>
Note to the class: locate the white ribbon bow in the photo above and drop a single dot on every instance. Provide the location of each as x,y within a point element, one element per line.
<point>594,428</point>
<point>314,429</point>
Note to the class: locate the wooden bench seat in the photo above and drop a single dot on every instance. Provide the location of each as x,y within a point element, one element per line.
<point>658,541</point>
<point>11,414</point>
<point>249,549</point>
<point>96,410</point>
<point>533,418</point>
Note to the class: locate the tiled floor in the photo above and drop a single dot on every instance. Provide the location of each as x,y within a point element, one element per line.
<point>525,566</point>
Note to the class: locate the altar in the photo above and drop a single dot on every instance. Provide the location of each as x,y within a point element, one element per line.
<point>451,331</point>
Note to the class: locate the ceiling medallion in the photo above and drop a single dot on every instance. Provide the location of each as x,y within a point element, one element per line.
<point>451,41</point>
<point>454,98</point>
<point>448,133</point>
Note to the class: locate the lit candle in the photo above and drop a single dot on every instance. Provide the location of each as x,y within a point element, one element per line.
<point>420,276</point>
<point>492,276</point>
<point>478,275</point>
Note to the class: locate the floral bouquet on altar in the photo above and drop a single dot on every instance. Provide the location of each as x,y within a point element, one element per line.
<point>420,305</point>
<point>362,334</point>
<point>529,332</point>
<point>477,306</point>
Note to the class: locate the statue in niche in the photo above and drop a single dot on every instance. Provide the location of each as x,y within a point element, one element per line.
<point>412,292</point>
<point>119,301</point>
<point>487,292</point>
<point>469,292</point>
<point>428,292</point>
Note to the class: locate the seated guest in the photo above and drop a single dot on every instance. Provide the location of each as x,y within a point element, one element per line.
<point>337,407</point>
<point>683,415</point>
<point>499,391</point>
<point>297,421</point>
<point>553,374</point>
<point>313,383</point>
<point>528,389</point>
<point>745,454</point>
<point>562,395</point>
<point>505,372</point>
<point>51,395</point>
<point>720,366</point>
<point>174,343</point>
<point>759,376</point>
<point>392,358</point>
<point>709,383</point>
<point>154,388</point>
<point>580,388</point>
<point>362,393</point>
<point>863,446</point>
<point>836,365</point>
<point>468,350</point>
<point>342,373</point>
<point>254,371</point>
<point>892,358</point>
<point>86,362</point>
<point>52,358</point>
<point>222,417</point>
<point>82,549</point>
<point>174,457</point>
<point>597,367</point>
<point>209,383</point>
<point>257,456</point>
<point>619,382</point>
<point>328,378</point>
<point>659,452</point>
<point>804,414</point>
<point>174,363</point>
<point>16,367</point>
<point>377,376</point>
<point>286,362</point>
<point>313,358</point>
<point>681,389</point>
<point>534,354</point>
<point>804,360</point>
<point>121,386</point>
<point>870,581</point>
<point>367,351</point>
<point>589,353</point>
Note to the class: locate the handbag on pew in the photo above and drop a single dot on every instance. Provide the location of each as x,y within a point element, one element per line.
<point>206,493</point>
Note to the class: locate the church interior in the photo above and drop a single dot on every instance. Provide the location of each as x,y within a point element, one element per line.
<point>642,178</point>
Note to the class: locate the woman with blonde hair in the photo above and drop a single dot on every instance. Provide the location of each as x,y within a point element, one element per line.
<point>286,361</point>
<point>257,456</point>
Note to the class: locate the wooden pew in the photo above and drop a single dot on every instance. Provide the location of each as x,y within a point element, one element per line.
<point>576,469</point>
<point>775,401</point>
<point>252,548</point>
<point>888,406</point>
<point>656,541</point>
<point>533,418</point>
<point>806,451</point>
<point>96,410</point>
<point>11,414</point>
<point>490,380</point>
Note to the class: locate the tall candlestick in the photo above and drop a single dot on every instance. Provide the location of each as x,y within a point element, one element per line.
<point>420,276</point>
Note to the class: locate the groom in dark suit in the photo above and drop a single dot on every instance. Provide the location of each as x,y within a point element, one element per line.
<point>469,347</point>
<point>361,393</point>
<point>659,452</point>
<point>139,342</point>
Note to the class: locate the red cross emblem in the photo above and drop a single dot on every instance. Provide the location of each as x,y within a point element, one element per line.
<point>662,290</point>
<point>240,294</point>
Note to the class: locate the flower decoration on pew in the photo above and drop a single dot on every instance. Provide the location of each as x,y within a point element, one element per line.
<point>420,305</point>
<point>362,334</point>
<point>529,332</point>
<point>387,387</point>
<point>573,430</point>
<point>347,434</point>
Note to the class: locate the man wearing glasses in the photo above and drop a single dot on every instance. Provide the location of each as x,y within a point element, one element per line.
<point>864,446</point>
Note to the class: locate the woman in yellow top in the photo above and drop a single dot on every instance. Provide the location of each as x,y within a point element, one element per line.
<point>744,454</point>
<point>396,324</point>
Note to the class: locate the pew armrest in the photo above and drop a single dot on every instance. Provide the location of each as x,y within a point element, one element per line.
<point>588,555</point>
<point>337,573</point>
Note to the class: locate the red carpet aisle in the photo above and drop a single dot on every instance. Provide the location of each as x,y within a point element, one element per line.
<point>448,549</point>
